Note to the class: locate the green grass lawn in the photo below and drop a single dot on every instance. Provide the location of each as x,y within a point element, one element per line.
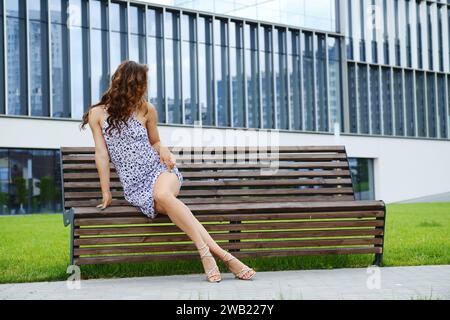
<point>36,248</point>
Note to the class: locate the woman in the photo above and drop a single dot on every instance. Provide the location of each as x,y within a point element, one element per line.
<point>124,127</point>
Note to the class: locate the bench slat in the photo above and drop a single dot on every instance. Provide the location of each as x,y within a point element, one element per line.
<point>237,245</point>
<point>240,254</point>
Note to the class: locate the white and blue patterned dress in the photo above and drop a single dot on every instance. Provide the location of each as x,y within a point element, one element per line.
<point>137,163</point>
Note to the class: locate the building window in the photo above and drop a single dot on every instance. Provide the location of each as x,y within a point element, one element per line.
<point>375,99</point>
<point>119,34</point>
<point>266,64</point>
<point>173,66</point>
<point>237,73</point>
<point>386,85</point>
<point>280,70</point>
<point>385,33</point>
<point>221,70</point>
<point>295,87</point>
<point>408,33</point>
<point>38,55</point>
<point>363,104</point>
<point>16,57</point>
<point>308,82</point>
<point>79,43</point>
<point>398,103</point>
<point>352,98</point>
<point>419,36</point>
<point>155,52</point>
<point>421,104</point>
<point>321,83</point>
<point>59,58</point>
<point>189,65</point>
<point>334,81</point>
<point>206,71</point>
<point>363,178</point>
<point>99,49</point>
<point>251,69</point>
<point>30,181</point>
<point>410,107</point>
<point>137,34</point>
<point>442,106</point>
<point>431,103</point>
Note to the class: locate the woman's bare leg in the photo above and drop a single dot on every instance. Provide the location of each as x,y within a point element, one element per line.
<point>165,192</point>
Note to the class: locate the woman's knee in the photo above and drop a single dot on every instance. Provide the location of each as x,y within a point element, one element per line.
<point>162,197</point>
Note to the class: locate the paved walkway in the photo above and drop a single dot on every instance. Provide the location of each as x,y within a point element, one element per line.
<point>423,282</point>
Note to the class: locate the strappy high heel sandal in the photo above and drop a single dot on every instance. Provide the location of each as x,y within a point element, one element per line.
<point>214,270</point>
<point>227,257</point>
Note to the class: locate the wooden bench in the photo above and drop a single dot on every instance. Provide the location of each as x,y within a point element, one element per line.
<point>306,207</point>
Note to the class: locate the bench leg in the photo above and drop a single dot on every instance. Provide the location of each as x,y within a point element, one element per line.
<point>378,259</point>
<point>68,218</point>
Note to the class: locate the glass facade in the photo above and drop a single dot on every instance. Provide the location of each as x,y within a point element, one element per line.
<point>363,178</point>
<point>410,65</point>
<point>29,181</point>
<point>230,65</point>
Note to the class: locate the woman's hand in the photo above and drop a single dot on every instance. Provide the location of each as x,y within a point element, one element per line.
<point>107,199</point>
<point>167,157</point>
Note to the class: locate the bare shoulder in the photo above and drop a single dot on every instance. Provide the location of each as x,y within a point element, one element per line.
<point>153,113</point>
<point>95,114</point>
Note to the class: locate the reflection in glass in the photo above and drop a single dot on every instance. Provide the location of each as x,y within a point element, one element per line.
<point>398,103</point>
<point>137,34</point>
<point>308,82</point>
<point>265,47</point>
<point>60,63</point>
<point>420,99</point>
<point>38,37</point>
<point>156,95</point>
<point>99,45</point>
<point>30,181</point>
<point>221,70</point>
<point>189,63</point>
<point>237,73</point>
<point>251,64</point>
<point>363,178</point>
<point>431,102</point>
<point>409,100</point>
<point>295,79</point>
<point>442,106</point>
<point>119,35</point>
<point>321,83</point>
<point>206,75</point>
<point>173,67</point>
<point>363,99</point>
<point>386,85</point>
<point>335,74</point>
<point>78,34</point>
<point>16,57</point>
<point>281,78</point>
<point>352,97</point>
<point>375,99</point>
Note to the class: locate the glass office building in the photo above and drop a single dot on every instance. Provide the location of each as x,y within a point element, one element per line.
<point>361,67</point>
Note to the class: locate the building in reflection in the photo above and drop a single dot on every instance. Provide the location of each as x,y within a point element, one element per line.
<point>373,75</point>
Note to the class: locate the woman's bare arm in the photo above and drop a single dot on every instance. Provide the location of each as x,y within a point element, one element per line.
<point>152,127</point>
<point>101,151</point>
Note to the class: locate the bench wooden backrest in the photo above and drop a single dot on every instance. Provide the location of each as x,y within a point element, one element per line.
<point>225,175</point>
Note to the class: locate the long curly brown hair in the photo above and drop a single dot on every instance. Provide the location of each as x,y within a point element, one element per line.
<point>126,94</point>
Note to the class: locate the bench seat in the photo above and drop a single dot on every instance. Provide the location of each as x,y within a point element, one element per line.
<point>307,207</point>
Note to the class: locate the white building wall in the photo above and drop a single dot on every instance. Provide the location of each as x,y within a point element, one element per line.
<point>404,168</point>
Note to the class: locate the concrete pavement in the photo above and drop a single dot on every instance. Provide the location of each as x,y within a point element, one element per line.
<point>421,282</point>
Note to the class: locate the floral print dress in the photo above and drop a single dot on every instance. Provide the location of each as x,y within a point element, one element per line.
<point>137,163</point>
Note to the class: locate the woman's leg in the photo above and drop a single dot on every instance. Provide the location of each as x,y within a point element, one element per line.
<point>165,192</point>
